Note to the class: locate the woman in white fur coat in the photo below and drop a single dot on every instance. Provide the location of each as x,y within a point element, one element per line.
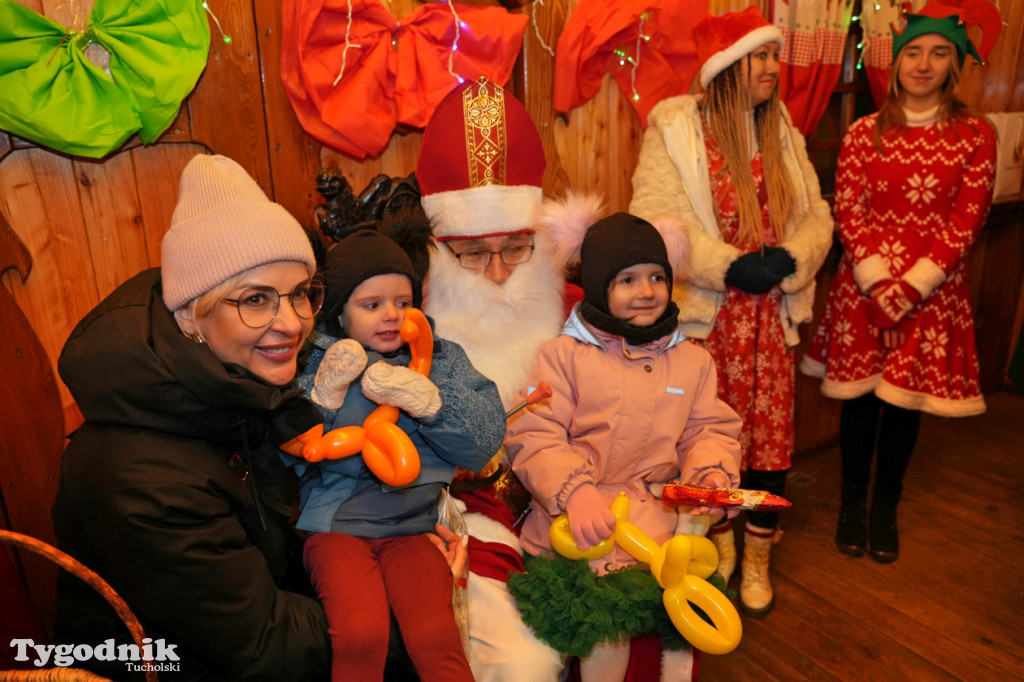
<point>732,166</point>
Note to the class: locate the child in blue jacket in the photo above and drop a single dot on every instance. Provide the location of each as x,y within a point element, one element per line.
<point>369,554</point>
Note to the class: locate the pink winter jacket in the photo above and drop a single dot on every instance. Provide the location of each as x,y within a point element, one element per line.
<point>624,418</point>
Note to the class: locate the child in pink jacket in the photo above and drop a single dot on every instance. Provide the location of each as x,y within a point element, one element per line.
<point>634,405</point>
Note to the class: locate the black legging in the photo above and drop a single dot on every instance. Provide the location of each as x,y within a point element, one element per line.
<point>773,482</point>
<point>865,421</point>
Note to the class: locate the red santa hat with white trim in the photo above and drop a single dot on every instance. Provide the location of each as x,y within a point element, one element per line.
<point>722,41</point>
<point>481,164</point>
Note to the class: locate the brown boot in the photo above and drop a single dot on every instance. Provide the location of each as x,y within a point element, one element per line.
<point>756,596</point>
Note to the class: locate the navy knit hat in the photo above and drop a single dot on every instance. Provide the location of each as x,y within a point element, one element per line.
<point>610,246</point>
<point>352,261</point>
<point>613,244</point>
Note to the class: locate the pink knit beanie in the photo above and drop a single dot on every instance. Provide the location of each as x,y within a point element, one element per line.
<point>222,225</point>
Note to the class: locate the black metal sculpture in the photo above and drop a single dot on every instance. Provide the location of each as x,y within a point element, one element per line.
<point>388,205</point>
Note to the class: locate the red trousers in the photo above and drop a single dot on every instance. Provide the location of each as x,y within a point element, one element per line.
<point>361,581</point>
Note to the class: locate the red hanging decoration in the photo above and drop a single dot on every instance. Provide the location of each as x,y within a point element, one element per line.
<point>353,72</point>
<point>647,46</point>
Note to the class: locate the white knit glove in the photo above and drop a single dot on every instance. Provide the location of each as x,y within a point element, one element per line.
<point>342,363</point>
<point>402,387</point>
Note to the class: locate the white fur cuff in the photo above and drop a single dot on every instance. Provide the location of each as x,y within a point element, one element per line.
<point>925,275</point>
<point>870,272</point>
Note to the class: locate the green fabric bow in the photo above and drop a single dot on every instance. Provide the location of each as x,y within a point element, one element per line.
<point>52,94</point>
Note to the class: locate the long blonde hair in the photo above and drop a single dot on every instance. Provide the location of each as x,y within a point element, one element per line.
<point>724,107</point>
<point>891,115</point>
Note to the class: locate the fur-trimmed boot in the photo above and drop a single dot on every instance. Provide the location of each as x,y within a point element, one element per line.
<point>725,542</point>
<point>756,596</point>
<point>852,529</point>
<point>883,537</point>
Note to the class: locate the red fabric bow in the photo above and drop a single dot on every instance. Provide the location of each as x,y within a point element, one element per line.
<point>597,28</point>
<point>395,72</point>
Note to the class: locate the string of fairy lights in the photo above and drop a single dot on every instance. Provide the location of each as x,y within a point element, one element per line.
<point>226,38</point>
<point>348,44</point>
<point>455,43</point>
<point>634,59</point>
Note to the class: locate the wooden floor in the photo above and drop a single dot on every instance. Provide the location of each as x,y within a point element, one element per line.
<point>951,607</point>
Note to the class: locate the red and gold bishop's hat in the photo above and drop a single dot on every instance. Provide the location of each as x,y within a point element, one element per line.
<point>481,164</point>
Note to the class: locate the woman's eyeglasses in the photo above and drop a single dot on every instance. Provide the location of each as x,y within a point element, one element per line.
<point>257,307</point>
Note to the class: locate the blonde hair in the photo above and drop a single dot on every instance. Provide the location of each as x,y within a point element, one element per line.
<point>202,305</point>
<point>891,115</point>
<point>726,101</point>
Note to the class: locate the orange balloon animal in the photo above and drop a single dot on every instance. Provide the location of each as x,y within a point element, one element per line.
<point>386,449</point>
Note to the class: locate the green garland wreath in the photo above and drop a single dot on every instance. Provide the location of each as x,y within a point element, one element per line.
<point>572,609</point>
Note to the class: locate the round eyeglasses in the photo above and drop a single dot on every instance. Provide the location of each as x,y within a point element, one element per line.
<point>478,260</point>
<point>257,307</point>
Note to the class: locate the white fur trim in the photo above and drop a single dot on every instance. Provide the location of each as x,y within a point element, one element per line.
<point>483,210</point>
<point>847,390</point>
<point>677,666</point>
<point>721,60</point>
<point>901,397</point>
<point>566,221</point>
<point>812,368</point>
<point>487,529</point>
<point>502,647</point>
<point>695,330</point>
<point>677,243</point>
<point>923,402</point>
<point>870,272</point>
<point>925,275</point>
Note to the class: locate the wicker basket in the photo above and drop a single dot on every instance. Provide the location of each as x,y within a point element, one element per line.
<point>97,583</point>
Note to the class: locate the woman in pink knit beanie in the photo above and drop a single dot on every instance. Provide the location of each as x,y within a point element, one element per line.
<point>172,490</point>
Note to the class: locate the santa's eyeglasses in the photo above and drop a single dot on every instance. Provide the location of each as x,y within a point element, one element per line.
<point>478,259</point>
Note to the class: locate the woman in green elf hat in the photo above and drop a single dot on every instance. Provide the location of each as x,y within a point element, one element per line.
<point>913,189</point>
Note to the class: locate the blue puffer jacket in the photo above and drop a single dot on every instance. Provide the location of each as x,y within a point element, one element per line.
<point>343,496</point>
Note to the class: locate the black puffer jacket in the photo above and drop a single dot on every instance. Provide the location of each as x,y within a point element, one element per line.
<point>154,497</point>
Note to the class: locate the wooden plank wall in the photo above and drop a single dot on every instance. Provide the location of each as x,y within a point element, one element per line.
<point>89,225</point>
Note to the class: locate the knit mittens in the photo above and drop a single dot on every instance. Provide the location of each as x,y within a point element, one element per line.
<point>402,387</point>
<point>342,363</point>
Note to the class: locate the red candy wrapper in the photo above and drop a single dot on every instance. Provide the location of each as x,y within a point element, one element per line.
<point>677,494</point>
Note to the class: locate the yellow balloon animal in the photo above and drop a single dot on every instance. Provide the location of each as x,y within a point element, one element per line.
<point>681,566</point>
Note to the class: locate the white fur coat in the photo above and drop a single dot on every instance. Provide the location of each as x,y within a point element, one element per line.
<point>672,177</point>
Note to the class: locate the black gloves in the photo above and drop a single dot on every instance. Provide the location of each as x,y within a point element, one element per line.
<point>755,273</point>
<point>779,262</point>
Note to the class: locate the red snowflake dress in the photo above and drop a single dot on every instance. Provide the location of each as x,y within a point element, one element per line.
<point>912,214</point>
<point>755,365</point>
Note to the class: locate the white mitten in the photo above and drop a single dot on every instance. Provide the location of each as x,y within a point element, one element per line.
<point>342,363</point>
<point>402,387</point>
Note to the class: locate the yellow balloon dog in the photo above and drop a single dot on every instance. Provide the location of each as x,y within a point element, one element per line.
<point>681,566</point>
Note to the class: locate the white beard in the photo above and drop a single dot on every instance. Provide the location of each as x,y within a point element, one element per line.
<point>501,327</point>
